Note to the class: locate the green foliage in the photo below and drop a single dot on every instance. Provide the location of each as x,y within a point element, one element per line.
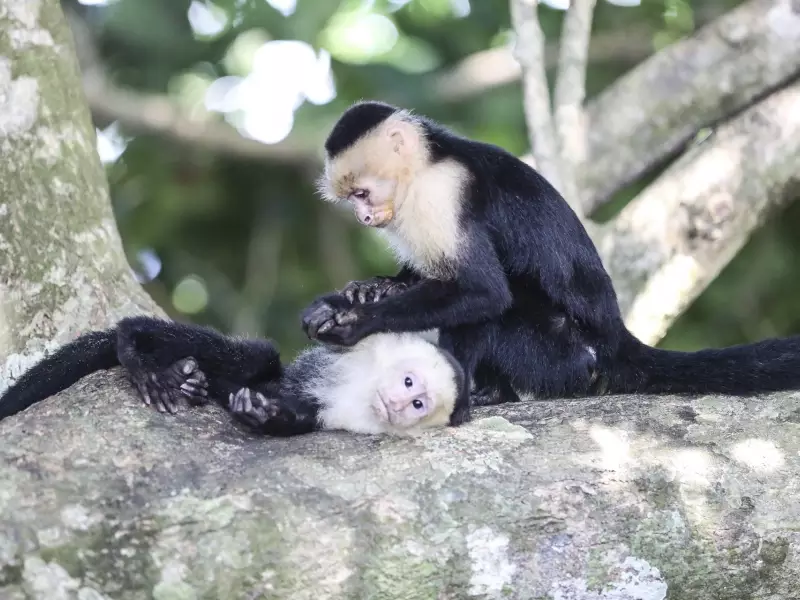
<point>244,244</point>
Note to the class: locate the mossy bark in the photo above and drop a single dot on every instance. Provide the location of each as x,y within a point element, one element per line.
<point>62,267</point>
<point>628,498</point>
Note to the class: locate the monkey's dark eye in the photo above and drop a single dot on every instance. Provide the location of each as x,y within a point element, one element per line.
<point>408,382</point>
<point>360,194</point>
<point>417,404</point>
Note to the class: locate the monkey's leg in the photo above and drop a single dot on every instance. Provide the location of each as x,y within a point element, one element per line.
<point>543,362</point>
<point>468,345</point>
<point>492,386</point>
<point>276,415</point>
<point>164,386</point>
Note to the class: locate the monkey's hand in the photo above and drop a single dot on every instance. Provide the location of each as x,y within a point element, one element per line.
<point>252,409</point>
<point>372,290</point>
<point>332,319</point>
<point>181,380</point>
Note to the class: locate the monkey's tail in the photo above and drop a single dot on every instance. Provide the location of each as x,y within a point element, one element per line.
<point>767,366</point>
<point>89,353</point>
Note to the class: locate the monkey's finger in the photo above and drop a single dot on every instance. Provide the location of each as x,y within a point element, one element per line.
<point>196,384</point>
<point>325,327</point>
<point>260,400</point>
<point>143,394</point>
<point>362,295</point>
<point>346,318</point>
<point>187,365</point>
<point>165,401</point>
<point>247,404</point>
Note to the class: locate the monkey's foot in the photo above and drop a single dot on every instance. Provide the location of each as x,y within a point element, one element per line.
<point>182,380</point>
<point>253,408</point>
<point>372,290</point>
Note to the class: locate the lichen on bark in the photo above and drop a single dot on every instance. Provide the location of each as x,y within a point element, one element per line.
<point>62,266</point>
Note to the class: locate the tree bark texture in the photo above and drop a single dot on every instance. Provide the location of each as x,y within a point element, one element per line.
<point>670,242</point>
<point>624,498</point>
<point>62,266</point>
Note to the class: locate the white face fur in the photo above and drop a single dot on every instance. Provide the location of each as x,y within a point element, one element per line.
<point>397,383</point>
<point>388,180</point>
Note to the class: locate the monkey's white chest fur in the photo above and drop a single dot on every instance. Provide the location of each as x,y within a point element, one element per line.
<point>425,232</point>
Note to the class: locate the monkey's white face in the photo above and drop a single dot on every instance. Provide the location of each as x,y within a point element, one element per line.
<point>403,401</point>
<point>374,174</point>
<point>372,199</point>
<point>416,392</point>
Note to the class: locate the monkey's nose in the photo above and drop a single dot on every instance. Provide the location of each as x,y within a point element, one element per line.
<point>367,219</point>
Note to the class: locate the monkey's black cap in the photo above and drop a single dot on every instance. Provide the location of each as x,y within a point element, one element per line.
<point>354,123</point>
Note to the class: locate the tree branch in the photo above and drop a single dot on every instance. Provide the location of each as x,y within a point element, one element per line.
<point>628,498</point>
<point>487,69</point>
<point>570,93</point>
<point>669,243</point>
<point>666,100</point>
<point>157,115</point>
<point>529,52</point>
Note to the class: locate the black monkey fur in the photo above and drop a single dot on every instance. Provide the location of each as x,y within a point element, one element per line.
<point>168,362</point>
<point>528,305</point>
<point>165,360</point>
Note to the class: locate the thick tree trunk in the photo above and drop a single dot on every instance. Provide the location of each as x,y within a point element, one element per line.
<point>626,498</point>
<point>62,267</point>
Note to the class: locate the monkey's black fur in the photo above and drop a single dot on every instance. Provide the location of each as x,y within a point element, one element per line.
<point>169,361</point>
<point>531,306</point>
<point>165,360</point>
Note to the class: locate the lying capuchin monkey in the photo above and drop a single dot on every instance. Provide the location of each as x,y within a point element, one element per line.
<point>494,258</point>
<point>388,383</point>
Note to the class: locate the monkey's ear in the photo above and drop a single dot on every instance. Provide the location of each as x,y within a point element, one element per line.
<point>404,137</point>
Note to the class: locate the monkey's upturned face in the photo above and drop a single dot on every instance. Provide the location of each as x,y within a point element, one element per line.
<point>404,400</point>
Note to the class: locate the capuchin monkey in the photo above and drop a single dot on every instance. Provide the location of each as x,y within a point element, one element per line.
<point>397,384</point>
<point>494,257</point>
<point>389,383</point>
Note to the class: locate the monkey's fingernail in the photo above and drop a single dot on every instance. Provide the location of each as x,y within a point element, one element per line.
<point>327,326</point>
<point>188,368</point>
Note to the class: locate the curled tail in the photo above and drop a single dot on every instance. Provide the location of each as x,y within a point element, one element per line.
<point>89,353</point>
<point>767,366</point>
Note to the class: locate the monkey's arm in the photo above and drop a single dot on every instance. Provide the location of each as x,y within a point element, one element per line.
<point>479,291</point>
<point>269,412</point>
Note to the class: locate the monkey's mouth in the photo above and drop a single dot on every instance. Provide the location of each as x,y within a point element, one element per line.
<point>380,409</point>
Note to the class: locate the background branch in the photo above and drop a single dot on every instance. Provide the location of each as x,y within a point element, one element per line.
<point>487,69</point>
<point>570,93</point>
<point>156,114</point>
<point>722,69</point>
<point>671,241</point>
<point>529,52</point>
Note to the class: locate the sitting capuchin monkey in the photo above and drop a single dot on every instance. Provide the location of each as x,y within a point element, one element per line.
<point>495,259</point>
<point>388,383</point>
